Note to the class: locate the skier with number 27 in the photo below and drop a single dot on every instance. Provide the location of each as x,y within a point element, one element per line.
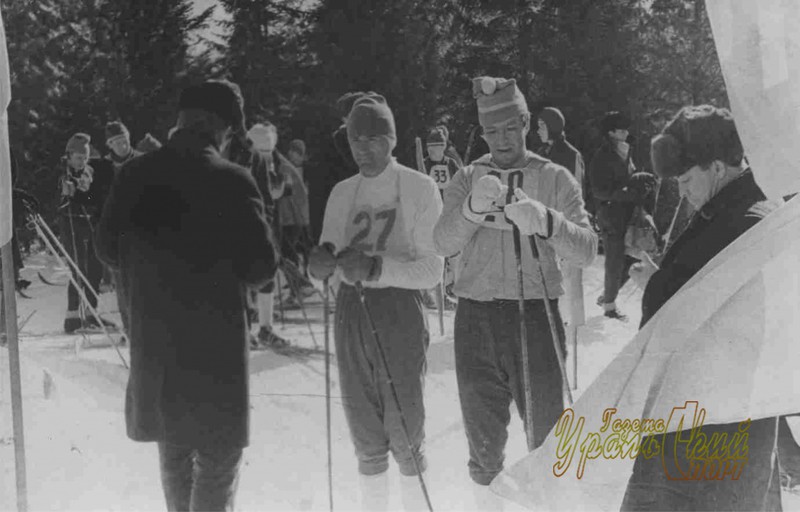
<point>377,236</point>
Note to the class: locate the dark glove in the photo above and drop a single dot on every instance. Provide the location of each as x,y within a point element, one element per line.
<point>358,266</point>
<point>322,261</point>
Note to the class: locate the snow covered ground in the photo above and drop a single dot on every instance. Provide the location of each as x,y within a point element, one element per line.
<point>79,458</point>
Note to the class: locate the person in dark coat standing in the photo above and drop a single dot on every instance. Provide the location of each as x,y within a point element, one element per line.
<point>555,147</point>
<point>701,147</point>
<point>187,233</point>
<point>609,174</point>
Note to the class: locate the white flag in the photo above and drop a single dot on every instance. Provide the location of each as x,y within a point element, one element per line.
<point>758,43</point>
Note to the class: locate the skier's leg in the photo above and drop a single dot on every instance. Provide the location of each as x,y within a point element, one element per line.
<point>176,463</point>
<point>72,319</point>
<point>374,492</point>
<point>545,375</point>
<point>216,478</point>
<point>403,333</point>
<point>358,376</point>
<point>482,388</point>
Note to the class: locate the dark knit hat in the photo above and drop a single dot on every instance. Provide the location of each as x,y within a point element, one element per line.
<point>116,129</point>
<point>298,146</point>
<point>554,120</point>
<point>437,136</point>
<point>370,117</point>
<point>345,102</point>
<point>614,121</point>
<point>217,97</point>
<point>79,143</point>
<point>696,136</point>
<point>148,144</point>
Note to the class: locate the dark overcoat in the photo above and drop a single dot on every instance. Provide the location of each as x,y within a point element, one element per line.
<point>186,230</point>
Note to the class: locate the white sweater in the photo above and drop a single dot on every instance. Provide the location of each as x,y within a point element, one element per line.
<point>421,206</point>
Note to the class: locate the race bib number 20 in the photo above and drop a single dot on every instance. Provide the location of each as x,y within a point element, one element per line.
<point>512,180</point>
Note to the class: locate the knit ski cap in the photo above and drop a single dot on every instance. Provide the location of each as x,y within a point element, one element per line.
<point>263,136</point>
<point>148,144</point>
<point>298,146</point>
<point>697,135</point>
<point>116,129</point>
<point>218,97</point>
<point>498,99</point>
<point>345,102</point>
<point>436,136</point>
<point>554,120</point>
<point>79,143</point>
<point>371,117</point>
<point>614,121</point>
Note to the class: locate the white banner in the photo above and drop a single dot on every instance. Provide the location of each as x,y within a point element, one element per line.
<point>758,43</point>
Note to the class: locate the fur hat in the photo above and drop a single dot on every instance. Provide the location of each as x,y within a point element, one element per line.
<point>696,136</point>
<point>614,121</point>
<point>498,99</point>
<point>116,129</point>
<point>370,117</point>
<point>79,143</point>
<point>218,97</point>
<point>554,120</point>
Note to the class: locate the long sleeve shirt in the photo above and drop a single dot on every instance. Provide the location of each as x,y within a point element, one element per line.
<point>488,267</point>
<point>420,205</point>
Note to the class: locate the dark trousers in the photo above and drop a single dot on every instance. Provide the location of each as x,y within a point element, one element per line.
<point>373,417</point>
<point>613,219</point>
<point>199,478</point>
<point>489,370</point>
<point>758,487</point>
<point>293,244</point>
<point>122,300</point>
<point>76,236</point>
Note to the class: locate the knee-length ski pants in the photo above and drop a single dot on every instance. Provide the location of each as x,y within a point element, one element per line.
<point>490,374</point>
<point>371,413</point>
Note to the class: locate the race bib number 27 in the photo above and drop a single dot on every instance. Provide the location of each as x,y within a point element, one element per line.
<point>372,229</point>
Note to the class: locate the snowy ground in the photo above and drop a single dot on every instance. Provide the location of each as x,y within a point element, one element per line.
<point>79,458</point>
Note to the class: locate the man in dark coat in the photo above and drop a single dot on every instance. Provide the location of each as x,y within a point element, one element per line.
<point>609,174</point>
<point>701,147</point>
<point>186,230</point>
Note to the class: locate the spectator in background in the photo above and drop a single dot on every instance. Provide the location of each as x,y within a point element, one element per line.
<point>610,170</point>
<point>118,140</point>
<point>263,137</point>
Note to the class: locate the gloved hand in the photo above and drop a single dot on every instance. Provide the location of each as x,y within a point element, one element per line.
<point>322,261</point>
<point>68,188</point>
<point>642,271</point>
<point>358,266</point>
<point>528,214</point>
<point>488,190</point>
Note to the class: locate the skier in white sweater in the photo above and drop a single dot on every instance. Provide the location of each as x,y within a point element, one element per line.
<point>378,230</point>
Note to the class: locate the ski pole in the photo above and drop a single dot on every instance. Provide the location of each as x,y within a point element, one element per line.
<point>326,314</point>
<point>551,320</point>
<point>80,289</point>
<point>523,338</point>
<point>390,382</point>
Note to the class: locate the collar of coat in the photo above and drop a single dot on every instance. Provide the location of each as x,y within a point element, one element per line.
<point>741,191</point>
<point>531,160</point>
